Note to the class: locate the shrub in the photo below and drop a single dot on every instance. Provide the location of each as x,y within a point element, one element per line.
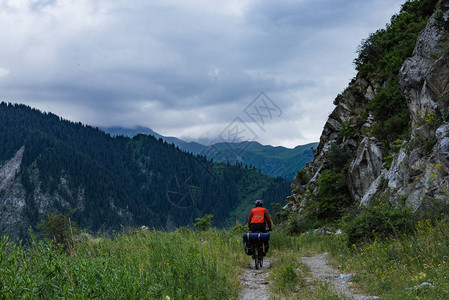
<point>332,197</point>
<point>302,176</point>
<point>337,157</point>
<point>298,224</point>
<point>60,228</point>
<point>380,220</point>
<point>204,223</point>
<point>279,214</point>
<point>239,228</point>
<point>347,129</point>
<point>432,210</point>
<point>338,99</point>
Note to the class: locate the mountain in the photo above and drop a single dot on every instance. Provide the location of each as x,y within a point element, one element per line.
<point>191,147</point>
<point>273,161</point>
<point>48,164</point>
<point>388,136</point>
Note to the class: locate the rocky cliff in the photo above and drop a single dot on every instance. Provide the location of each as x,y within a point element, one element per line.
<point>17,207</point>
<point>412,167</point>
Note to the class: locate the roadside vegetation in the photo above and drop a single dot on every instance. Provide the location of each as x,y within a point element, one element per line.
<point>392,258</point>
<point>139,264</point>
<point>400,265</point>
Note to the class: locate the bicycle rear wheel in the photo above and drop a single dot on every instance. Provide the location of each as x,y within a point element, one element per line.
<point>256,261</point>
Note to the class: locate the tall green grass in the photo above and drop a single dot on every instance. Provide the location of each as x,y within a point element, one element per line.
<point>393,268</point>
<point>135,265</point>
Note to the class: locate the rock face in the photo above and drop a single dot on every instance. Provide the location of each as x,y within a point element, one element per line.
<point>12,195</point>
<point>417,171</point>
<point>14,203</point>
<point>365,168</point>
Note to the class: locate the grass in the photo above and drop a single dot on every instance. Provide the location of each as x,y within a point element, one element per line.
<point>136,265</point>
<point>392,268</point>
<point>291,279</point>
<point>207,265</point>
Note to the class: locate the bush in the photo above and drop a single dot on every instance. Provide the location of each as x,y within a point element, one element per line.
<point>432,210</point>
<point>337,157</point>
<point>204,223</point>
<point>302,176</point>
<point>332,197</point>
<point>279,214</point>
<point>381,220</point>
<point>390,110</point>
<point>60,228</point>
<point>239,228</point>
<point>298,224</point>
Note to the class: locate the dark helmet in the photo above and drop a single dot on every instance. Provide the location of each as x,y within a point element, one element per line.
<point>258,203</point>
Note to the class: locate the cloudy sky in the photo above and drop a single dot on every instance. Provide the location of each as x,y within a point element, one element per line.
<point>192,69</point>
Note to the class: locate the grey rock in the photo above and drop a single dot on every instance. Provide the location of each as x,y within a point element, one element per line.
<point>398,174</point>
<point>443,151</point>
<point>413,72</point>
<point>347,276</point>
<point>444,5</point>
<point>423,285</point>
<point>333,124</point>
<point>365,168</point>
<point>437,80</point>
<point>374,189</point>
<point>442,131</point>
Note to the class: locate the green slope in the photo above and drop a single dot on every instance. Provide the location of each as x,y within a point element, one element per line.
<point>123,181</point>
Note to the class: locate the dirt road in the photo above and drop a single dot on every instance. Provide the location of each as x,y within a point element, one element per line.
<point>255,284</point>
<point>340,282</point>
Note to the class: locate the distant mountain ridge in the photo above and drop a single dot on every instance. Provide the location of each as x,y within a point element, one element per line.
<point>270,160</point>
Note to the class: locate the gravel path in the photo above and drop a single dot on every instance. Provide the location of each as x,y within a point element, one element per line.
<point>340,282</point>
<point>255,283</point>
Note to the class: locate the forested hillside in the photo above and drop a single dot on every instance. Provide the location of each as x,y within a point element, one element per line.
<point>48,164</point>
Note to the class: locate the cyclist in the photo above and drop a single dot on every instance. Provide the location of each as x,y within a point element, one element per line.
<point>258,219</point>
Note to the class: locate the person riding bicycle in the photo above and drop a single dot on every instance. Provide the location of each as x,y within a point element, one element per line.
<point>258,219</point>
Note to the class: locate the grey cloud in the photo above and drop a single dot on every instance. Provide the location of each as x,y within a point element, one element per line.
<point>153,63</point>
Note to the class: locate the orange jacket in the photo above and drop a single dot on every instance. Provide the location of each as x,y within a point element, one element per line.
<point>259,215</point>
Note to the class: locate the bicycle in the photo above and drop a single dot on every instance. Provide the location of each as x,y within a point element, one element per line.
<point>257,249</point>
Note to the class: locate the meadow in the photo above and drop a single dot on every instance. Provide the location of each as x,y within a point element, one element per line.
<point>188,264</point>
<point>139,264</point>
<point>413,266</point>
